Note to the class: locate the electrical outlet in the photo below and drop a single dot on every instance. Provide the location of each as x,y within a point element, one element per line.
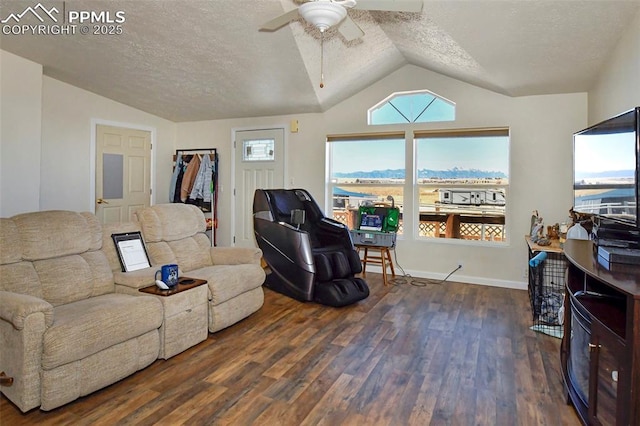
<point>525,272</point>
<point>460,264</point>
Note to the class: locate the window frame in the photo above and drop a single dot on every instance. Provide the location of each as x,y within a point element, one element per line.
<point>457,133</point>
<point>394,95</point>
<point>356,137</point>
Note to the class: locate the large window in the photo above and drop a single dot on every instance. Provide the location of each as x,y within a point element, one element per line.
<point>462,180</point>
<point>453,184</point>
<point>365,169</point>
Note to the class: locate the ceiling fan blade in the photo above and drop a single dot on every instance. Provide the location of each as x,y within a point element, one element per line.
<point>349,29</point>
<point>280,21</point>
<point>390,5</point>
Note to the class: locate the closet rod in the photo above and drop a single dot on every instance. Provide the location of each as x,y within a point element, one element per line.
<point>212,150</point>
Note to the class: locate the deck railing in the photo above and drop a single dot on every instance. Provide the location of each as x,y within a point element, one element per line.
<point>445,225</point>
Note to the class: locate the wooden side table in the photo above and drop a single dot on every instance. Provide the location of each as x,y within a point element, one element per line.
<point>381,256</point>
<point>185,315</point>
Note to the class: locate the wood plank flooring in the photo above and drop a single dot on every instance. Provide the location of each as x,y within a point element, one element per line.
<point>438,354</point>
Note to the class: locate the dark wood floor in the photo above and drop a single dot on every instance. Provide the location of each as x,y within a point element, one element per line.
<point>450,354</point>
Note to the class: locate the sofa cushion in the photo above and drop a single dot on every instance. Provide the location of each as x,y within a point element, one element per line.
<point>170,222</point>
<point>57,233</point>
<point>9,237</point>
<point>189,253</point>
<point>20,278</point>
<point>54,255</point>
<point>71,278</point>
<point>88,326</point>
<point>174,233</point>
<point>193,252</point>
<point>228,281</point>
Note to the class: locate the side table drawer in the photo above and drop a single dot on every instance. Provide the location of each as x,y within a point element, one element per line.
<point>183,330</point>
<point>185,300</point>
<point>185,321</point>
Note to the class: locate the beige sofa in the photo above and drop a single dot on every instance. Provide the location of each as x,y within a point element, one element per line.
<point>175,233</point>
<point>64,329</point>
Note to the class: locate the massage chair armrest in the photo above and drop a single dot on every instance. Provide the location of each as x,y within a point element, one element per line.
<point>235,255</point>
<point>332,224</point>
<point>331,232</point>
<point>290,241</point>
<point>15,308</point>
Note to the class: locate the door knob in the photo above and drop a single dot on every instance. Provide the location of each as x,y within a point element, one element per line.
<point>101,201</point>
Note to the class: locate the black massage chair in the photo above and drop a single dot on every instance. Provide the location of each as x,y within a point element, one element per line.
<point>311,257</point>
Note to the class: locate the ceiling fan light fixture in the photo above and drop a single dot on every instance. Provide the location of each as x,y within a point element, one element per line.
<point>322,14</point>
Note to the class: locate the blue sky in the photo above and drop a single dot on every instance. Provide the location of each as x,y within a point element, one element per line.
<point>482,153</point>
<point>356,156</point>
<point>486,153</point>
<point>599,153</point>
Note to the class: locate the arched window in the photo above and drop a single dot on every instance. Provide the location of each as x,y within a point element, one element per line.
<point>420,106</point>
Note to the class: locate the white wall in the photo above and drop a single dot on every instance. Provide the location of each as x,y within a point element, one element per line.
<point>305,155</point>
<point>20,124</point>
<point>53,122</point>
<point>541,167</point>
<point>68,115</point>
<point>47,142</point>
<point>618,86</point>
<point>541,129</point>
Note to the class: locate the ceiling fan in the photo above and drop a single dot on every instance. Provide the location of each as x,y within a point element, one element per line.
<point>325,14</point>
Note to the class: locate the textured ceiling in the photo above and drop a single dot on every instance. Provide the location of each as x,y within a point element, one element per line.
<point>196,60</point>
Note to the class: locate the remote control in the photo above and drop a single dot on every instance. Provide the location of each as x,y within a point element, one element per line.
<point>161,285</point>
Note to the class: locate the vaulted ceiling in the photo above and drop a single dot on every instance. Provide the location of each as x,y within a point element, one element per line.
<point>190,60</point>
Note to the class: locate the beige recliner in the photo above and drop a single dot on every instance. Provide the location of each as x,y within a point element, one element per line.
<point>175,233</point>
<point>64,330</point>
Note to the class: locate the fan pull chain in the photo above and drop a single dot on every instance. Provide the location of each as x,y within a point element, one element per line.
<point>321,59</point>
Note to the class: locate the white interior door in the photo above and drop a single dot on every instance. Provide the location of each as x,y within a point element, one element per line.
<point>259,164</point>
<point>123,172</point>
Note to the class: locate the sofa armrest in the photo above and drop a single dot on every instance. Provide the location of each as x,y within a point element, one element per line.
<point>23,322</point>
<point>235,255</point>
<point>16,307</point>
<point>135,279</point>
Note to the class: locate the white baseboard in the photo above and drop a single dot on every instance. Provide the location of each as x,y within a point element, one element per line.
<point>456,276</point>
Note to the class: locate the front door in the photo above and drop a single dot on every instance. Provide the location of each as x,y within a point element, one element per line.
<point>123,172</point>
<point>259,164</point>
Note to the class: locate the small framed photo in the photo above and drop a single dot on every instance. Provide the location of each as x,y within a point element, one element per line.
<point>131,251</point>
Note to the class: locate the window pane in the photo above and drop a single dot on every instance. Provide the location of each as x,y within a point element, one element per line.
<point>439,110</point>
<point>112,176</point>
<point>468,160</point>
<point>258,150</point>
<point>366,172</point>
<point>462,187</point>
<point>412,107</point>
<point>387,114</point>
<point>348,198</point>
<point>368,161</point>
<point>464,213</point>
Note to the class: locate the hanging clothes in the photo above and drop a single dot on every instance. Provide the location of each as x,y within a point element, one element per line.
<point>174,177</point>
<point>202,185</point>
<point>189,178</point>
<point>178,186</point>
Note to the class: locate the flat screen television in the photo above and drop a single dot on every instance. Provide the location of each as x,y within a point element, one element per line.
<point>606,163</point>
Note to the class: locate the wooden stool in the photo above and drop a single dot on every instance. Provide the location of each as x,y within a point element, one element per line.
<point>381,256</point>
